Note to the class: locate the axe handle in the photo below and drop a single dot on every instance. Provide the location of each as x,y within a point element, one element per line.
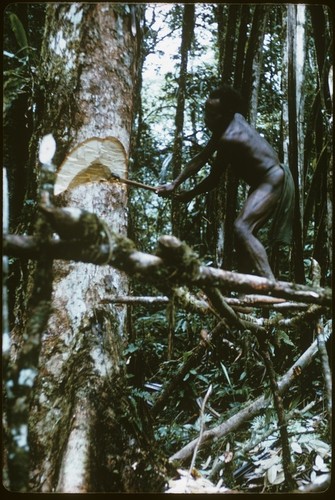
<point>135,183</point>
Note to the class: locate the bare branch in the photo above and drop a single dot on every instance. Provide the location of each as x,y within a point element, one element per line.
<point>262,301</point>
<point>202,411</point>
<point>138,300</point>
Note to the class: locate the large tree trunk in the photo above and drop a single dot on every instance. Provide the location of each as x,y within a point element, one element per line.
<point>82,346</point>
<point>78,435</point>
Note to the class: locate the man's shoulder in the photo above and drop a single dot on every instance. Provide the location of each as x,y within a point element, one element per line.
<point>238,130</point>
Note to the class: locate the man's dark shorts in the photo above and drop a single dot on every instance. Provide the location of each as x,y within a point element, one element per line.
<point>281,230</point>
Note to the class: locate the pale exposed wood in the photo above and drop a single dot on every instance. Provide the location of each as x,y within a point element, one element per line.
<point>93,160</point>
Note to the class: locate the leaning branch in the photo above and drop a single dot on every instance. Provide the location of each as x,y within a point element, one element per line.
<point>251,410</point>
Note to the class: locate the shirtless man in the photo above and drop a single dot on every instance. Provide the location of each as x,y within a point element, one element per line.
<point>252,159</point>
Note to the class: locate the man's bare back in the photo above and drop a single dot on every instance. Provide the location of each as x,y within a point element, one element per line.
<point>249,155</point>
<point>252,159</point>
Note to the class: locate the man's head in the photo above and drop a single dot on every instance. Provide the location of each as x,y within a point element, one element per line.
<point>221,106</point>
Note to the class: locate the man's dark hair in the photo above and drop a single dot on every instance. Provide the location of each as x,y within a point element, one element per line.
<point>231,101</point>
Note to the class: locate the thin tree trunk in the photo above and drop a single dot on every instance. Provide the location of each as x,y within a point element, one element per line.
<point>187,35</point>
<point>323,44</point>
<point>293,141</point>
<point>241,46</point>
<point>226,201</point>
<point>257,66</point>
<point>322,30</point>
<point>253,48</point>
<point>219,11</point>
<point>229,44</point>
<point>300,56</point>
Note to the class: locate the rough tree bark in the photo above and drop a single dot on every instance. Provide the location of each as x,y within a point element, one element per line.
<point>82,345</point>
<point>77,438</point>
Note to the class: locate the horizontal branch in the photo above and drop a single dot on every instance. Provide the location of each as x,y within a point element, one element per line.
<point>137,300</point>
<point>181,296</point>
<point>87,238</point>
<point>249,283</point>
<point>262,301</point>
<point>265,302</point>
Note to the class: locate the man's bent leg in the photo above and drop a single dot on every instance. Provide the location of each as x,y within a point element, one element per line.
<point>257,210</point>
<point>254,250</point>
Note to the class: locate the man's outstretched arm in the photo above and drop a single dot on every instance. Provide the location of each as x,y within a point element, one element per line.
<point>191,168</point>
<point>209,183</point>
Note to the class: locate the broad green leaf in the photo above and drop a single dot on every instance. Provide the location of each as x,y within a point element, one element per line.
<point>285,338</point>
<point>224,369</point>
<point>280,478</point>
<point>272,474</point>
<point>296,447</point>
<point>19,31</point>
